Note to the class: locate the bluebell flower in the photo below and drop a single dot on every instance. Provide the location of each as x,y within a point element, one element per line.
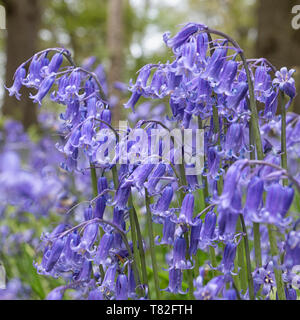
<point>202,45</point>
<point>264,277</point>
<point>122,196</point>
<point>262,83</point>
<point>108,284</point>
<point>44,88</point>
<point>34,77</point>
<point>227,264</point>
<point>175,281</point>
<point>54,64</point>
<point>214,66</point>
<point>286,83</point>
<point>88,239</point>
<point>95,294</point>
<point>235,141</point>
<point>168,231</point>
<point>53,254</point>
<point>161,208</point>
<point>227,78</point>
<point>179,255</point>
<point>208,231</point>
<point>211,290</point>
<point>292,249</point>
<point>290,293</point>
<point>105,245</point>
<point>278,202</point>
<point>183,35</point>
<point>122,287</point>
<point>18,81</point>
<point>230,184</point>
<point>187,210</point>
<point>195,238</point>
<point>154,177</point>
<point>228,216</point>
<point>139,88</point>
<point>85,272</point>
<point>56,294</point>
<point>254,197</point>
<point>239,92</point>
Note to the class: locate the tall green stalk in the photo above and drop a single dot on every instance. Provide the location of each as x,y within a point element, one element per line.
<point>140,244</point>
<point>248,260</point>
<point>241,260</point>
<point>274,253</point>
<point>283,136</point>
<point>152,245</point>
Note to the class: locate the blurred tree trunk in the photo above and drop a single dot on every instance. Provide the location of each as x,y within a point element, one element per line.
<point>115,37</point>
<point>23,20</point>
<point>277,40</point>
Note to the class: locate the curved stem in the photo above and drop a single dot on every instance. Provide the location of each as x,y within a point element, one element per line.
<point>254,114</point>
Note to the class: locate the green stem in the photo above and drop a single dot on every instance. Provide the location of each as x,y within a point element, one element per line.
<point>140,247</point>
<point>213,259</point>
<point>241,261</point>
<point>115,177</point>
<point>248,260</point>
<point>283,137</point>
<point>256,233</point>
<point>95,193</point>
<point>189,271</point>
<point>257,246</point>
<point>134,244</point>
<point>274,253</point>
<point>217,131</point>
<point>94,181</point>
<point>152,245</point>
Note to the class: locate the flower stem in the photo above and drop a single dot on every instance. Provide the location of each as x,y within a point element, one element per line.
<point>134,244</point>
<point>274,253</point>
<point>152,245</point>
<point>283,137</point>
<point>140,245</point>
<point>213,259</point>
<point>95,193</point>
<point>248,260</point>
<point>241,261</point>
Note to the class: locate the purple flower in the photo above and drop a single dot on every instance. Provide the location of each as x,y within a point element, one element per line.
<point>56,294</point>
<point>53,254</point>
<point>183,35</point>
<point>175,281</point>
<point>227,263</point>
<point>104,248</point>
<point>168,231</point>
<point>211,290</point>
<point>285,82</point>
<point>179,255</point>
<point>122,287</point>
<point>44,88</point>
<point>18,80</point>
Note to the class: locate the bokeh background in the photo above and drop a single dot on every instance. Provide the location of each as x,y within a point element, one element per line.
<point>125,34</point>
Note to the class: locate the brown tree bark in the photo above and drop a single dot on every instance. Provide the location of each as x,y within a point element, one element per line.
<point>277,40</point>
<point>115,35</point>
<point>23,20</point>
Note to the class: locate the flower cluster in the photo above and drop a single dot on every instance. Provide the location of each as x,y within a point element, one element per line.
<point>245,189</point>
